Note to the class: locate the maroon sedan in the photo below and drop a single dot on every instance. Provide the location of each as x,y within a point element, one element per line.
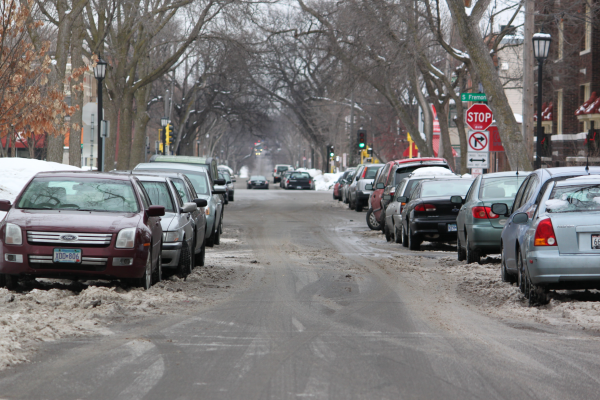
<point>81,225</point>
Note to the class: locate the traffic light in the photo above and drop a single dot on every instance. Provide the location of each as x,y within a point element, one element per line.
<point>362,138</point>
<point>170,138</point>
<point>331,151</point>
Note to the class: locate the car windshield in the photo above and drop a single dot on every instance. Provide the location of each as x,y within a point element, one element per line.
<point>574,198</point>
<point>258,178</point>
<point>450,187</point>
<point>281,169</point>
<point>410,186</point>
<point>371,172</point>
<point>86,194</point>
<point>198,179</point>
<point>159,195</point>
<point>180,187</point>
<point>500,188</point>
<point>300,175</point>
<point>226,176</point>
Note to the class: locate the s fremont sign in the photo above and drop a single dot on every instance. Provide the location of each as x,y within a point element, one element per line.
<point>479,117</point>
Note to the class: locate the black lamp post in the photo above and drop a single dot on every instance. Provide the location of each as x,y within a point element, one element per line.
<point>100,73</point>
<point>541,47</point>
<point>164,121</point>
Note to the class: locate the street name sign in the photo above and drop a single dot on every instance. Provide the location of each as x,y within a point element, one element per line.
<point>479,141</point>
<point>473,97</point>
<point>479,117</point>
<point>477,159</point>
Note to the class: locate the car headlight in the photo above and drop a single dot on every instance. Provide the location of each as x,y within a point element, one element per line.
<point>13,234</point>
<point>126,238</point>
<point>172,236</point>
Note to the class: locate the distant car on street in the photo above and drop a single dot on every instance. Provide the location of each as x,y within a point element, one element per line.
<point>81,225</point>
<point>358,194</point>
<point>229,180</point>
<point>339,184</point>
<point>284,177</point>
<point>257,182</point>
<point>479,229</point>
<point>279,170</point>
<point>430,214</point>
<point>300,180</point>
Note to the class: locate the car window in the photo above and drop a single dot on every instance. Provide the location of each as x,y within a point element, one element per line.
<point>410,186</point>
<point>454,187</point>
<point>180,188</point>
<point>391,178</point>
<point>258,178</point>
<point>190,186</point>
<point>88,194</point>
<point>500,188</point>
<point>300,175</point>
<point>519,196</point>
<point>282,168</point>
<point>574,198</point>
<point>145,200</point>
<point>399,189</point>
<point>383,174</point>
<point>371,172</point>
<point>530,191</point>
<point>159,195</point>
<point>178,197</point>
<point>471,193</point>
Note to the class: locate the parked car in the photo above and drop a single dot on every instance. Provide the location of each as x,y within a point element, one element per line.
<point>224,187</point>
<point>393,221</point>
<point>284,176</point>
<point>358,194</point>
<point>229,180</point>
<point>201,182</point>
<point>430,215</point>
<point>81,225</point>
<point>300,180</point>
<point>479,229</point>
<point>392,173</point>
<point>257,182</point>
<point>517,247</point>
<point>279,170</point>
<point>351,177</point>
<point>209,163</point>
<point>337,195</point>
<point>179,229</point>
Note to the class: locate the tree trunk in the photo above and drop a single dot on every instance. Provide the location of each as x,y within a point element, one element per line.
<point>528,79</point>
<point>138,151</point>
<point>76,92</point>
<point>111,112</point>
<point>125,127</point>
<point>479,53</point>
<point>55,152</point>
<point>442,112</point>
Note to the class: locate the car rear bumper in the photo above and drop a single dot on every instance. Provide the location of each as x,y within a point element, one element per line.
<point>363,197</point>
<point>97,262</point>
<point>263,186</point>
<point>170,254</point>
<point>299,186</point>
<point>433,230</point>
<point>555,270</point>
<point>484,237</point>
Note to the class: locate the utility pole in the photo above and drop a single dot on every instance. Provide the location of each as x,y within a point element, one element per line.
<point>528,79</point>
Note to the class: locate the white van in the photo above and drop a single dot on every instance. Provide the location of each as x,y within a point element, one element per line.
<point>279,170</point>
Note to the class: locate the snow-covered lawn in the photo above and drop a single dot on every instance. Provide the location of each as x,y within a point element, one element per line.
<point>16,172</point>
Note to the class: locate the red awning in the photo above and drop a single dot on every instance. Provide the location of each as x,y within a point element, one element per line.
<point>436,148</point>
<point>591,106</point>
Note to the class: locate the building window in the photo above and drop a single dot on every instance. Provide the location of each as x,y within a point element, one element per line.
<point>559,112</point>
<point>584,93</point>
<point>561,39</point>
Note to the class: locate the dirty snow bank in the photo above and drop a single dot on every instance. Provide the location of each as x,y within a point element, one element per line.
<point>15,172</point>
<point>481,284</point>
<point>322,181</point>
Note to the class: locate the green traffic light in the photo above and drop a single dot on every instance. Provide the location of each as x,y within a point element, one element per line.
<point>361,145</point>
<point>331,154</point>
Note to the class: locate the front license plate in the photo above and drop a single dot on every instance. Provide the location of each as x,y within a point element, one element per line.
<point>596,242</point>
<point>452,228</point>
<point>67,255</point>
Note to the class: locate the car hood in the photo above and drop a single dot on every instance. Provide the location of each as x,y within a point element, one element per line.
<point>73,221</point>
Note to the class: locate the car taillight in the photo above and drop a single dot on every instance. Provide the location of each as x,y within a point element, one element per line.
<point>287,182</point>
<point>310,182</point>
<point>544,234</point>
<point>425,207</point>
<point>364,173</point>
<point>483,213</point>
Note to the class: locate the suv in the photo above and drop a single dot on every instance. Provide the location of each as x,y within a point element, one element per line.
<point>391,174</point>
<point>279,170</point>
<point>358,195</point>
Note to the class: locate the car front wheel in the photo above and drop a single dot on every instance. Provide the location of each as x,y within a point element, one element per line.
<point>372,221</point>
<point>145,282</point>
<point>397,235</point>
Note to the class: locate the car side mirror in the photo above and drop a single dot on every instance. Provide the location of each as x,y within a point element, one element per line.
<point>189,207</point>
<point>368,186</point>
<point>520,218</point>
<point>500,209</point>
<point>387,197</point>
<point>233,180</point>
<point>402,199</point>
<point>219,191</point>
<point>200,202</point>
<point>5,205</point>
<point>220,182</point>
<point>156,211</point>
<point>380,185</point>
<point>456,200</point>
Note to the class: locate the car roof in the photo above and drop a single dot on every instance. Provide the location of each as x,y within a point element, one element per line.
<point>417,160</point>
<point>151,178</point>
<point>181,159</point>
<point>506,173</point>
<point>583,180</point>
<point>454,178</point>
<point>170,166</point>
<point>430,177</point>
<point>560,171</point>
<point>85,174</point>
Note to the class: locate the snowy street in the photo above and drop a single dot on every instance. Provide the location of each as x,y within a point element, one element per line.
<point>301,300</point>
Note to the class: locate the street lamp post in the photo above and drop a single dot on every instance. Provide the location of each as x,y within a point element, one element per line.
<point>164,121</point>
<point>541,47</point>
<point>100,73</point>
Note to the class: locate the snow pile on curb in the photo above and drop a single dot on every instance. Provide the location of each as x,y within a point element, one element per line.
<point>16,172</point>
<point>244,172</point>
<point>322,181</point>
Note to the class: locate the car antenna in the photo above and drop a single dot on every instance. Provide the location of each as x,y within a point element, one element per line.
<point>587,164</point>
<point>517,167</point>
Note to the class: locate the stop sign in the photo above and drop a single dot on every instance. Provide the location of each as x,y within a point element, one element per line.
<point>479,117</point>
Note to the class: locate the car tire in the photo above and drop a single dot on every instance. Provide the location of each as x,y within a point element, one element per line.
<point>145,282</point>
<point>473,255</point>
<point>520,274</point>
<point>404,238</point>
<point>358,207</point>
<point>218,234</point>
<point>158,273</point>
<point>506,277</point>
<point>538,295</point>
<point>334,196</point>
<point>397,235</point>
<point>185,261</point>
<point>230,197</point>
<point>10,282</point>
<point>388,234</point>
<point>201,256</point>
<point>210,241</point>
<point>372,221</point>
<point>460,252</point>
<point>351,204</point>
<point>414,243</point>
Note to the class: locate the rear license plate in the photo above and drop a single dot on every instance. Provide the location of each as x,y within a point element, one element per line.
<point>67,255</point>
<point>298,187</point>
<point>596,242</point>
<point>452,228</point>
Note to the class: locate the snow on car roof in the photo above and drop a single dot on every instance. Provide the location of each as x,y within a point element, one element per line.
<point>435,171</point>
